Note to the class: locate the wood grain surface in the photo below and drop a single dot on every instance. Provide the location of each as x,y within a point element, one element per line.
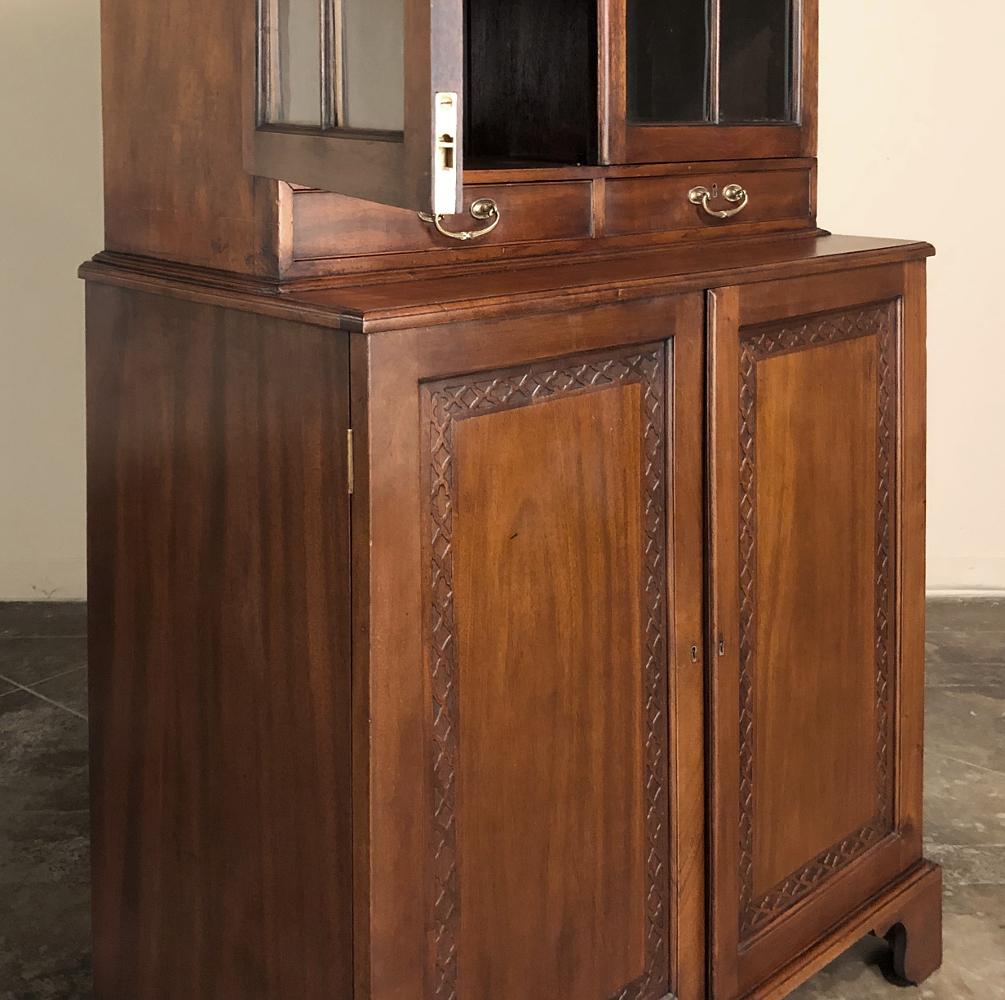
<point>551,812</point>
<point>219,653</point>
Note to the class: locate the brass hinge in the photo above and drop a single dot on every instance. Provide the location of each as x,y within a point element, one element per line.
<point>350,464</point>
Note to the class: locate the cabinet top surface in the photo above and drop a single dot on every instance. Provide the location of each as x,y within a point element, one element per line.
<point>401,299</point>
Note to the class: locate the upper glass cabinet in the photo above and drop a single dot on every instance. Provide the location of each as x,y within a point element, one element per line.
<point>711,79</point>
<point>388,99</point>
<point>362,97</point>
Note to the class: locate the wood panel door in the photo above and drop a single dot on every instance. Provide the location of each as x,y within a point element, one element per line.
<point>818,584</point>
<point>555,850</point>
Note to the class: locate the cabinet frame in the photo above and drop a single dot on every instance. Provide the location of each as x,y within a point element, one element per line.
<point>624,141</point>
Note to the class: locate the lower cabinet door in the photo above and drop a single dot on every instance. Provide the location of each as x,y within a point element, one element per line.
<point>818,585</point>
<point>547,490</point>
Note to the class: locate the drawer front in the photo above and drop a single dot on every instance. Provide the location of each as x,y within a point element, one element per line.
<point>329,225</point>
<point>662,204</point>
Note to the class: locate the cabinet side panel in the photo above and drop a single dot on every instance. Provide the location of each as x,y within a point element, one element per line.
<point>174,87</point>
<point>219,651</point>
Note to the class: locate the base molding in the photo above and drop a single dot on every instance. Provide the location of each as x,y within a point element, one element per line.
<point>961,574</point>
<point>908,913</point>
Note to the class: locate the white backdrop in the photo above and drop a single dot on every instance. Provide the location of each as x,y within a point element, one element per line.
<point>910,138</point>
<point>50,220</point>
<point>910,146</point>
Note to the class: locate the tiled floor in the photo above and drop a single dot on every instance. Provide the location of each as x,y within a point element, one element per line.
<point>44,891</point>
<point>43,809</point>
<point>964,813</point>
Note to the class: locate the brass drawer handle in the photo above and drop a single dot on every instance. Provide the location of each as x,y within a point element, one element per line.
<point>483,209</point>
<point>733,193</point>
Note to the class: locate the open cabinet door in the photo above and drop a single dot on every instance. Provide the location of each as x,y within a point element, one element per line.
<point>361,98</point>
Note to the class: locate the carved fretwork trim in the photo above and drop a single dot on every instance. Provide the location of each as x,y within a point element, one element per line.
<point>458,399</point>
<point>757,344</point>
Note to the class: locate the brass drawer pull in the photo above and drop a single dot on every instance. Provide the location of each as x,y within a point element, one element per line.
<point>483,209</point>
<point>733,193</point>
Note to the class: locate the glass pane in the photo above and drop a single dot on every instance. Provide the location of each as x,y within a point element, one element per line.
<point>668,60</point>
<point>295,50</point>
<point>756,71</point>
<point>372,80</point>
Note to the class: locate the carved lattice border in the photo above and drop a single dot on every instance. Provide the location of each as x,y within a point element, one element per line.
<point>757,344</point>
<point>457,399</point>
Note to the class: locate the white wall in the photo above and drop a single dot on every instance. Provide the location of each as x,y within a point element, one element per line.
<point>50,221</point>
<point>911,142</point>
<point>910,120</point>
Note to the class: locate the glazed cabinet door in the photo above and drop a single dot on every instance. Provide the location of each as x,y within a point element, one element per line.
<point>817,423</point>
<point>710,79</point>
<point>535,771</point>
<point>361,98</point>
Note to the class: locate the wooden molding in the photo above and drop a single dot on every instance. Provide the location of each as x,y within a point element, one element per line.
<point>756,345</point>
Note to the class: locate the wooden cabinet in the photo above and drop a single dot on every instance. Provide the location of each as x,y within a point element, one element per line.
<point>507,551</point>
<point>519,734</point>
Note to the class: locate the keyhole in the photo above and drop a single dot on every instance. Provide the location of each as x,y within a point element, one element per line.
<point>446,152</point>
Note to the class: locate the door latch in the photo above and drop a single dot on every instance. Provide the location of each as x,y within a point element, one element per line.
<point>445,156</point>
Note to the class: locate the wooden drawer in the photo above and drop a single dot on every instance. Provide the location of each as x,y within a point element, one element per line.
<point>660,204</point>
<point>329,225</point>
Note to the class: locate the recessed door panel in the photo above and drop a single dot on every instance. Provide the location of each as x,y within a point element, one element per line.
<point>550,810</point>
<point>816,485</point>
<point>548,674</point>
<point>812,489</point>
